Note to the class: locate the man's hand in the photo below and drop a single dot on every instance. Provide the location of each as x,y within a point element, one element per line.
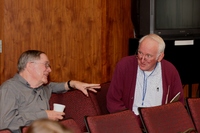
<point>84,87</point>
<point>54,115</point>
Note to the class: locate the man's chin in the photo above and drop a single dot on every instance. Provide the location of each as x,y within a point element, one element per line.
<point>143,68</point>
<point>45,81</point>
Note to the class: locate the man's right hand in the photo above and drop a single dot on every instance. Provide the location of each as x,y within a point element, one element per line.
<point>54,115</point>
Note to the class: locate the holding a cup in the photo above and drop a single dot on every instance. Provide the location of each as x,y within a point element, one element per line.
<point>58,107</point>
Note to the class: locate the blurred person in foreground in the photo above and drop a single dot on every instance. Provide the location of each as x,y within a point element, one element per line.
<point>25,97</point>
<point>144,79</point>
<point>47,126</point>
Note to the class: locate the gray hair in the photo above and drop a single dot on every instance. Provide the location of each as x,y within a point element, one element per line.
<point>26,57</point>
<point>161,47</point>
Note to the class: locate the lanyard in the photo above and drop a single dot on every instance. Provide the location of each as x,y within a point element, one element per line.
<point>145,84</point>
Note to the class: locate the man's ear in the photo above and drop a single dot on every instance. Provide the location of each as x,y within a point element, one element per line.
<point>29,65</point>
<point>161,56</point>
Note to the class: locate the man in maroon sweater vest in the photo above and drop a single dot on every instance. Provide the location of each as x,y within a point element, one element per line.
<point>144,79</point>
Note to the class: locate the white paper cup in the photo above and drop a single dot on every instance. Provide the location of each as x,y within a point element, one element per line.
<point>58,107</point>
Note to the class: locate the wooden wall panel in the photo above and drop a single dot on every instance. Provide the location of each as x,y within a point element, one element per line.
<point>116,30</point>
<point>1,37</point>
<point>83,39</point>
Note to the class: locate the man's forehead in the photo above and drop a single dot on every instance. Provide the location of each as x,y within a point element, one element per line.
<point>44,57</point>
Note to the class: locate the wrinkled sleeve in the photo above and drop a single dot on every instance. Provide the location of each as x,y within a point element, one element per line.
<point>57,87</point>
<point>175,83</point>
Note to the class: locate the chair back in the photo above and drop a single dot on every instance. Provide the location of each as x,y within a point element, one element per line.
<point>77,106</point>
<point>168,118</point>
<point>100,96</point>
<point>119,122</point>
<point>193,107</point>
<point>72,125</point>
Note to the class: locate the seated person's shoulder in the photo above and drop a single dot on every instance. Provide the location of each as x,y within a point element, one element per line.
<point>128,59</point>
<point>166,63</point>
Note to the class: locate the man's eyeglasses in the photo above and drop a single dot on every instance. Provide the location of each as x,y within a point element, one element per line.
<point>140,56</point>
<point>47,65</point>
